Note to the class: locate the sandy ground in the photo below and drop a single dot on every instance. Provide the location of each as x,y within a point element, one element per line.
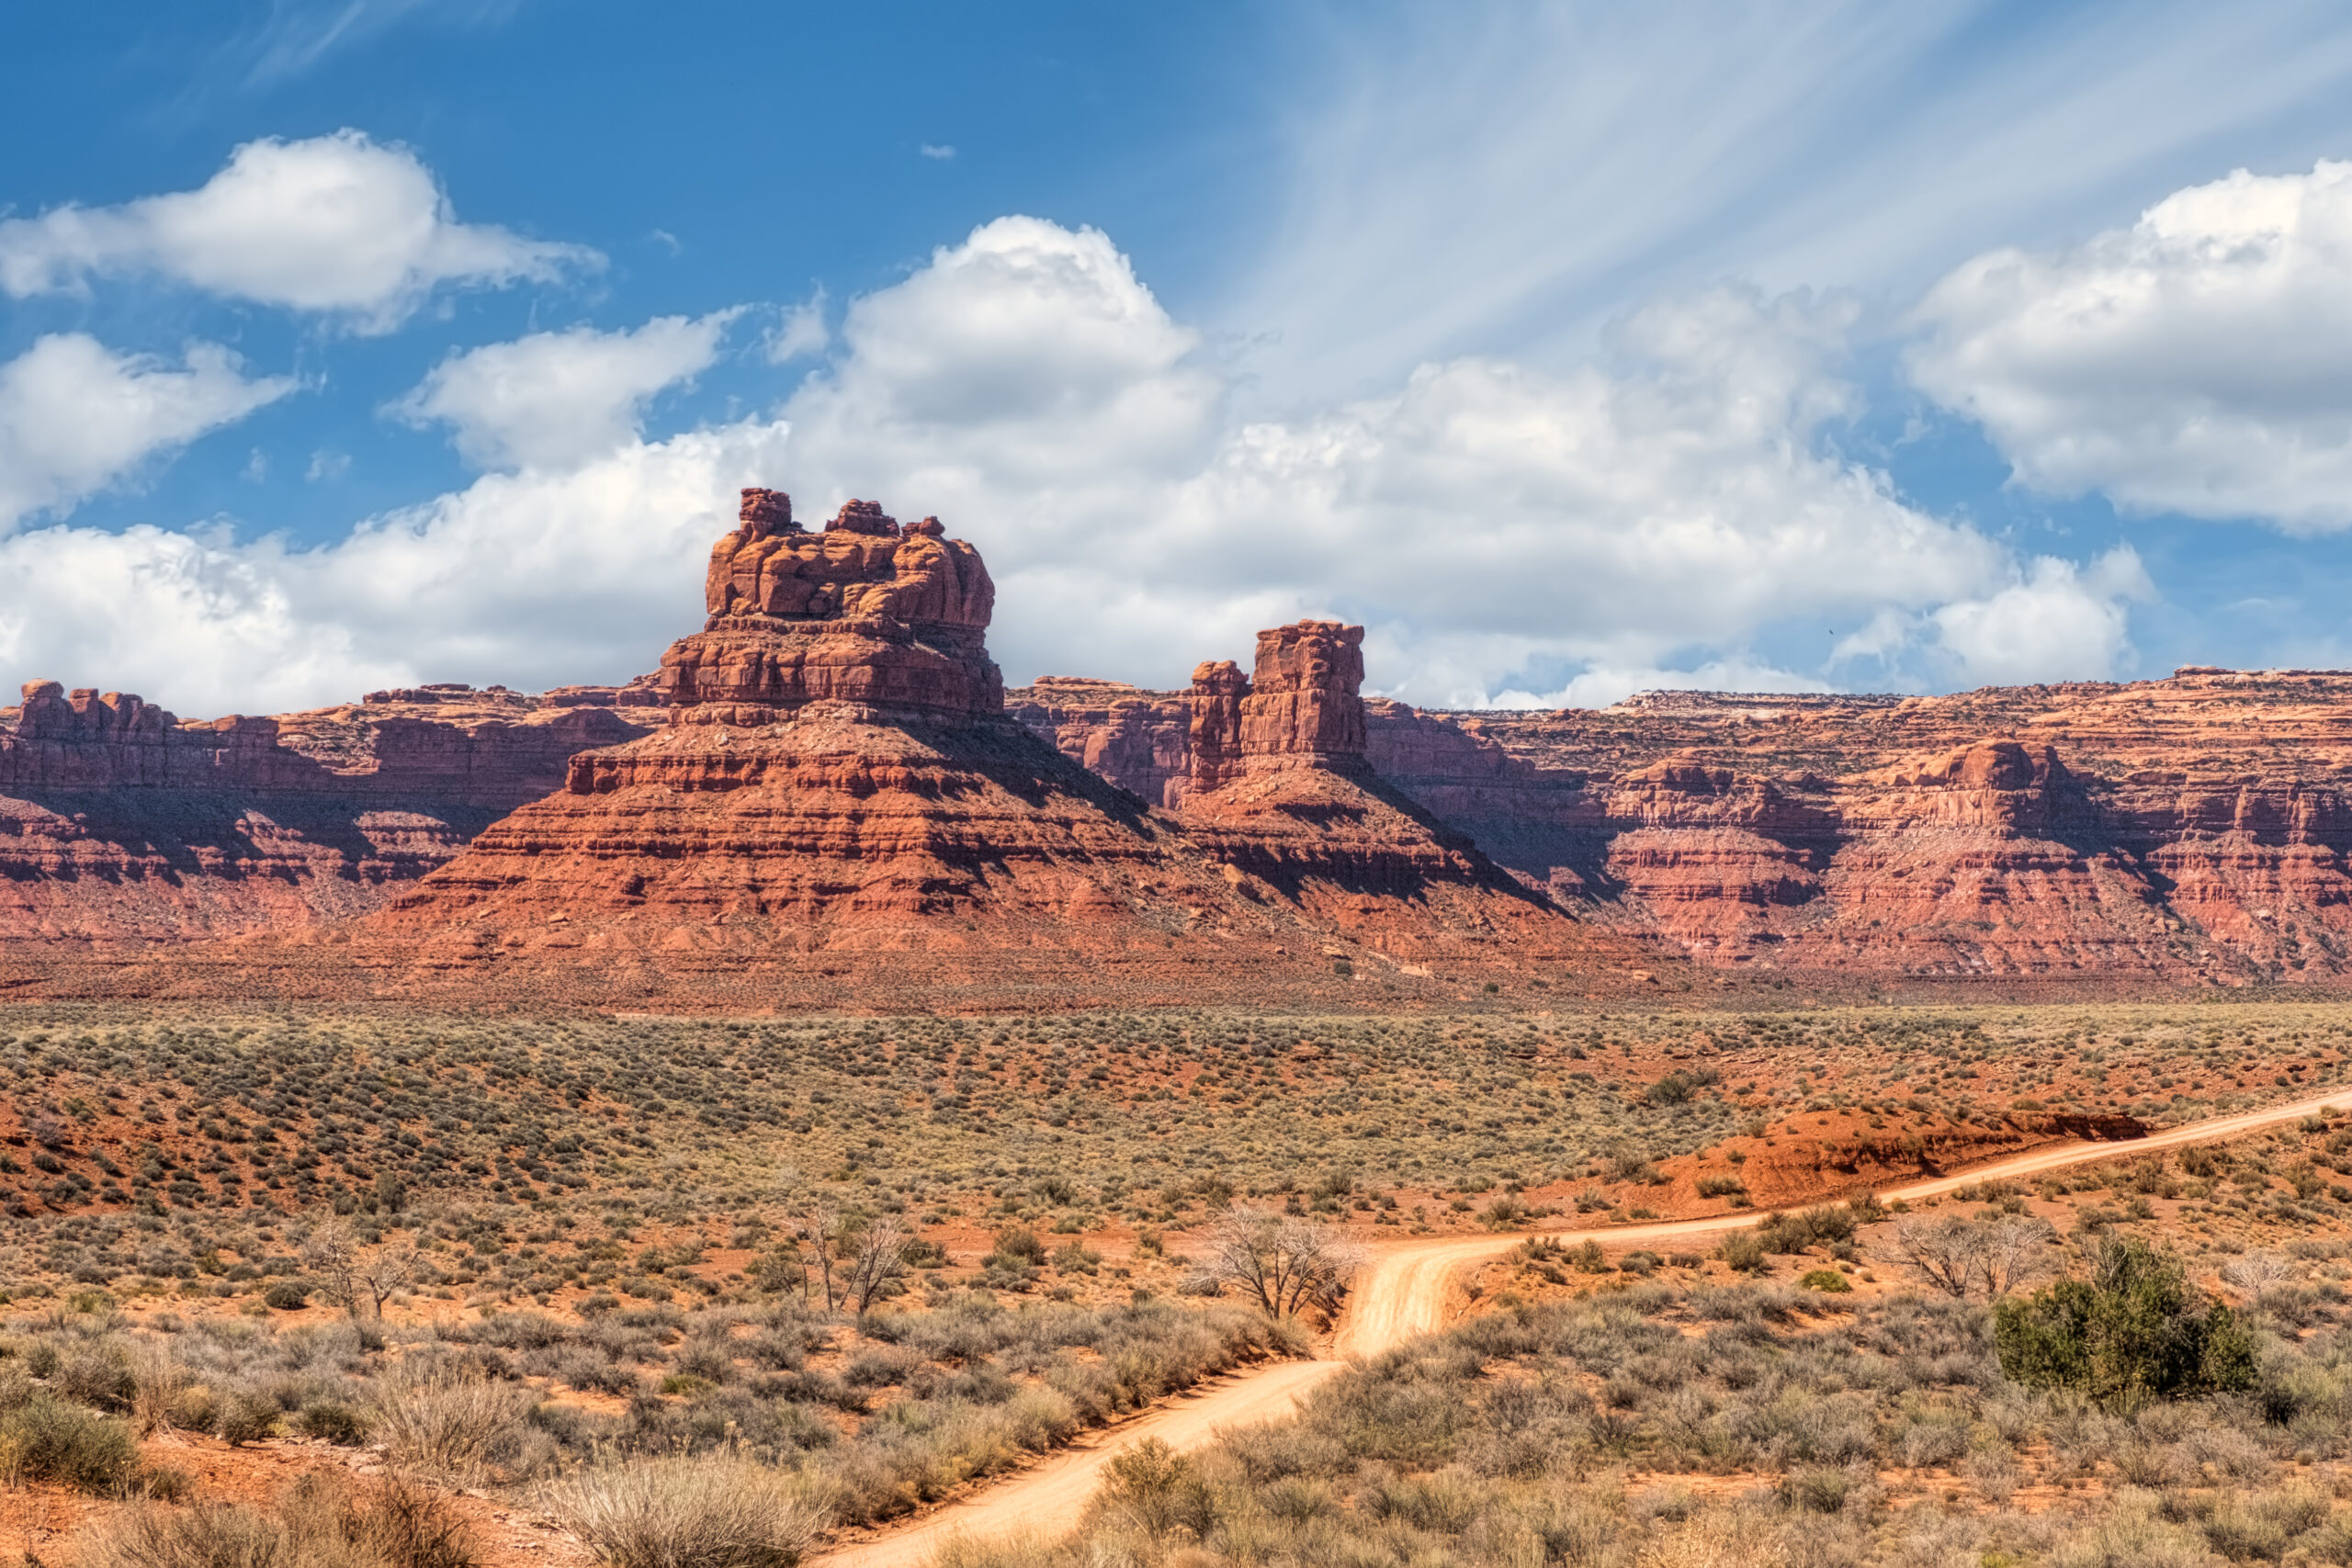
<point>1406,1289</point>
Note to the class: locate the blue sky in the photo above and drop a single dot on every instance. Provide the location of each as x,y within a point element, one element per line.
<point>1573,348</point>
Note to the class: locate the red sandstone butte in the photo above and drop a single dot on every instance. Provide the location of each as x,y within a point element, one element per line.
<point>1304,706</point>
<point>840,812</point>
<point>863,612</point>
<point>1278,789</point>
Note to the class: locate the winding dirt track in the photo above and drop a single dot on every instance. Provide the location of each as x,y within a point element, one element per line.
<point>1405,1290</point>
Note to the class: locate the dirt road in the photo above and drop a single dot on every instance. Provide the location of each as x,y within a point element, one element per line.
<point>1405,1289</point>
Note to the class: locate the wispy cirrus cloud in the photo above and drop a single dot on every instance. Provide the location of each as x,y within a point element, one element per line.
<point>297,35</point>
<point>1502,177</point>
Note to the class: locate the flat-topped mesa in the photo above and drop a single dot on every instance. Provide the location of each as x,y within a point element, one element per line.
<point>49,712</point>
<point>869,610</point>
<point>90,739</point>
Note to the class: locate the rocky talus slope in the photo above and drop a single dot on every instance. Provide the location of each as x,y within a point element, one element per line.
<point>2190,830</point>
<point>123,826</point>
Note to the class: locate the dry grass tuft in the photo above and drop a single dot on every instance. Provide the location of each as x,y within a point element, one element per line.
<point>461,1429</point>
<point>717,1511</point>
<point>321,1523</point>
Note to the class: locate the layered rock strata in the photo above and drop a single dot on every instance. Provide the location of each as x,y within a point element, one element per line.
<point>1277,786</point>
<point>2190,830</point>
<point>120,824</point>
<point>840,802</point>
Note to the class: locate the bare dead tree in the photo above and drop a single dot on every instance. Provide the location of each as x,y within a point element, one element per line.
<point>1287,1262</point>
<point>353,1275</point>
<point>2011,1251</point>
<point>1958,1256</point>
<point>876,1261</point>
<point>2256,1274</point>
<point>1944,1253</point>
<point>818,1225</point>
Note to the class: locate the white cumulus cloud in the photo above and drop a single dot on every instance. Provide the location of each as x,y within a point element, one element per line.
<point>1030,389</point>
<point>1502,532</point>
<point>2198,362</point>
<point>2057,621</point>
<point>535,579</point>
<point>337,224</point>
<point>554,401</point>
<point>76,417</point>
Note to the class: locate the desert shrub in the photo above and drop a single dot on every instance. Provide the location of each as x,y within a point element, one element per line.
<point>1019,1244</point>
<point>99,1376</point>
<point>715,1511</point>
<point>1821,1226</point>
<point>1816,1489</point>
<point>1675,1089</point>
<point>595,1372</point>
<point>1146,1486</point>
<point>331,1422</point>
<point>244,1416</point>
<point>1745,1251</point>
<point>48,1439</point>
<point>215,1534</point>
<point>1506,1212</point>
<point>321,1522</point>
<point>287,1295</point>
<point>880,1367</point>
<point>461,1429</point>
<point>2132,1332</point>
<point>512,1331</point>
<point>1825,1279</point>
<point>1721,1186</point>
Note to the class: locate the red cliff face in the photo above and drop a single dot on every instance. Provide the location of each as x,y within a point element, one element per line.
<point>1306,705</point>
<point>120,824</point>
<point>1219,692</point>
<point>2193,830</point>
<point>1140,740</point>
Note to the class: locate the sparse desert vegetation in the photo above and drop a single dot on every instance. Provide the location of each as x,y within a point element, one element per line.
<point>1743,1426</point>
<point>568,1270</point>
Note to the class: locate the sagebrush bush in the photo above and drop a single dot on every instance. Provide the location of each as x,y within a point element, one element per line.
<point>321,1522</point>
<point>460,1428</point>
<point>713,1511</point>
<point>244,1416</point>
<point>46,1439</point>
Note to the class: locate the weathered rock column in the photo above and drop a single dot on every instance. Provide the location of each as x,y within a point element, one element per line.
<point>1305,702</point>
